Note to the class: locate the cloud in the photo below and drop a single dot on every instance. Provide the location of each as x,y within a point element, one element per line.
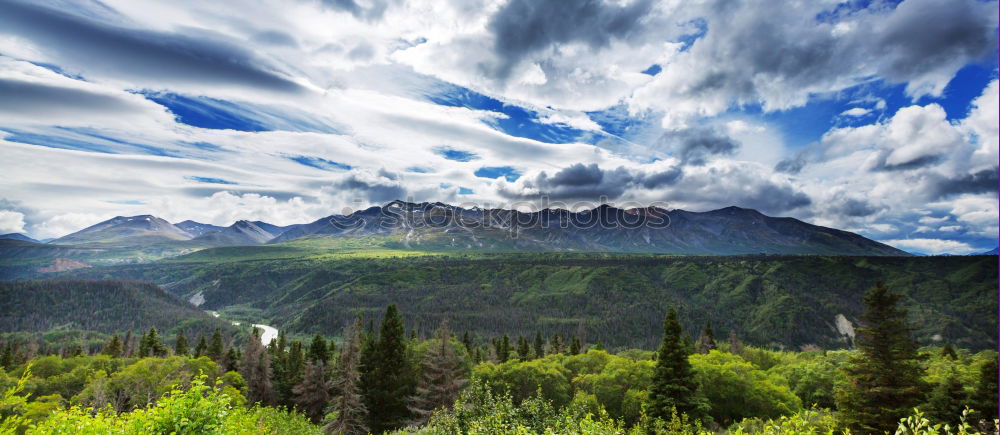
<point>856,112</point>
<point>150,57</point>
<point>11,222</point>
<point>522,27</point>
<point>695,145</point>
<point>931,246</point>
<point>779,57</point>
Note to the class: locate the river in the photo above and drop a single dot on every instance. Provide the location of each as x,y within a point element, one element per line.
<point>268,333</point>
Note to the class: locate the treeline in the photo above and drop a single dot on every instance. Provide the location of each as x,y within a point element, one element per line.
<point>386,378</point>
<point>104,306</point>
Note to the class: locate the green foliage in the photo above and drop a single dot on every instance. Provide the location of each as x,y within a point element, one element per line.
<point>199,409</point>
<point>737,390</point>
<point>809,421</point>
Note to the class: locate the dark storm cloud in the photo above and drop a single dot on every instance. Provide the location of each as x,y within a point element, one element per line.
<point>27,98</point>
<point>981,182</point>
<point>921,38</point>
<point>694,145</point>
<point>373,191</point>
<point>590,182</point>
<point>857,208</point>
<point>792,165</point>
<point>525,26</point>
<point>165,58</point>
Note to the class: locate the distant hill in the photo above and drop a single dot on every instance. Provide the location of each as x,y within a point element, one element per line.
<point>994,251</point>
<point>127,231</point>
<point>238,234</point>
<point>619,299</point>
<point>96,305</point>
<point>197,228</point>
<point>18,236</point>
<point>727,231</point>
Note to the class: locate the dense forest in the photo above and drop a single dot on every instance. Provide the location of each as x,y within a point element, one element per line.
<point>384,377</point>
<point>771,301</point>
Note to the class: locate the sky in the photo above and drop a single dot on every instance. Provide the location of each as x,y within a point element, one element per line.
<point>878,117</point>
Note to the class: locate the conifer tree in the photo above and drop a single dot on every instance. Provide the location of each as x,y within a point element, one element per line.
<point>557,346</point>
<point>317,350</point>
<point>255,366</point>
<point>574,346</point>
<point>706,340</point>
<point>295,365</point>
<point>201,348</point>
<point>7,358</point>
<point>673,388</point>
<point>947,400</point>
<point>348,404</point>
<point>984,398</point>
<point>217,350</point>
<point>390,380</point>
<point>231,360</point>
<point>442,380</point>
<point>467,342</point>
<point>181,344</point>
<point>312,394</point>
<point>523,350</point>
<point>144,350</point>
<point>503,349</point>
<point>885,377</point>
<point>114,348</point>
<point>539,345</point>
<point>151,345</point>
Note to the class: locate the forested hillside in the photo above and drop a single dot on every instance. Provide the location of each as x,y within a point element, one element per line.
<point>105,306</point>
<point>789,301</point>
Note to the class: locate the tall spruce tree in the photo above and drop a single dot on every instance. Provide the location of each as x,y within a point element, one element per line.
<point>539,345</point>
<point>317,350</point>
<point>442,379</point>
<point>255,366</point>
<point>390,379</point>
<point>556,344</point>
<point>114,348</point>
<point>151,345</point>
<point>181,344</point>
<point>674,387</point>
<point>503,349</point>
<point>574,346</point>
<point>885,377</point>
<point>348,404</point>
<point>201,348</point>
<point>735,346</point>
<point>217,350</point>
<point>523,350</point>
<point>312,394</point>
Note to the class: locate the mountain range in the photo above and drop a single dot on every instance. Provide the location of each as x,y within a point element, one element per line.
<point>438,226</point>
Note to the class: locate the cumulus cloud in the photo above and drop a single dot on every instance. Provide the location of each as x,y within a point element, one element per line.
<point>931,246</point>
<point>11,222</point>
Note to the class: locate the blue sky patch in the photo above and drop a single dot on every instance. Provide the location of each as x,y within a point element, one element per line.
<point>320,163</point>
<point>519,122</point>
<point>493,172</point>
<point>210,180</point>
<point>418,170</point>
<point>653,70</point>
<point>205,112</point>
<point>127,202</point>
<point>465,191</point>
<point>456,155</point>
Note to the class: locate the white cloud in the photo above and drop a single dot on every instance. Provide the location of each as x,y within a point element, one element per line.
<point>931,246</point>
<point>856,112</point>
<point>11,222</point>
